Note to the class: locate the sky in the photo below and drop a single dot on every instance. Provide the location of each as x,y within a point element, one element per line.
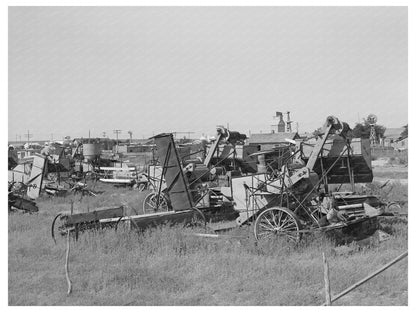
<point>75,70</point>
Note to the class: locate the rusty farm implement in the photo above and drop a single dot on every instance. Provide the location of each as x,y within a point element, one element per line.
<point>227,190</point>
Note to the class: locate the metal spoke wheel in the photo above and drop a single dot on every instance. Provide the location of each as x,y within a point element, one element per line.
<point>198,219</point>
<point>394,206</point>
<point>277,221</point>
<point>59,225</point>
<point>151,204</point>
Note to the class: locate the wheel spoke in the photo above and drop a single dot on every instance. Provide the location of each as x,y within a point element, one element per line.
<point>277,221</point>
<point>152,203</point>
<point>289,224</point>
<point>280,215</point>
<point>286,220</point>
<point>294,230</point>
<point>267,219</point>
<point>276,224</point>
<point>290,228</point>
<point>266,227</point>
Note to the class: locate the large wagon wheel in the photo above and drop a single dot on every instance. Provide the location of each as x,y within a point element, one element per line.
<point>277,221</point>
<point>59,222</point>
<point>150,204</point>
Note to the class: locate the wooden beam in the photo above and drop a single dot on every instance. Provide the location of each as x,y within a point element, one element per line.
<point>328,301</point>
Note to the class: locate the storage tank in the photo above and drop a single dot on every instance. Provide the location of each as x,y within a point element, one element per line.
<point>91,150</point>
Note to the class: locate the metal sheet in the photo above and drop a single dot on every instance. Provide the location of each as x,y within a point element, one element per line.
<point>360,160</point>
<point>36,176</point>
<point>177,185</point>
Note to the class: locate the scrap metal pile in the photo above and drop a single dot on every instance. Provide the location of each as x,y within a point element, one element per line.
<point>233,184</point>
<point>58,170</point>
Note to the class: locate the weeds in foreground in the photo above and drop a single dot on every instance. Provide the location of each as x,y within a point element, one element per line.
<point>394,157</point>
<point>170,266</point>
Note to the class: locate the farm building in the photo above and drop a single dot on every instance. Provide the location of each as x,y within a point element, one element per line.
<point>267,141</point>
<point>393,138</point>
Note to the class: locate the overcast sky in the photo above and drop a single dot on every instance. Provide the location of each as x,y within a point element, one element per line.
<point>161,69</point>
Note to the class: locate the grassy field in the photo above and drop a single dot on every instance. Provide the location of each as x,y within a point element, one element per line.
<point>394,157</point>
<point>169,266</point>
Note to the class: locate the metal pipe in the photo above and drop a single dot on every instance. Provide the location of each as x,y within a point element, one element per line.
<point>349,289</point>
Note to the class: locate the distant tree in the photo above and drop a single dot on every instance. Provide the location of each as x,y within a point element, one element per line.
<point>403,135</point>
<point>362,130</point>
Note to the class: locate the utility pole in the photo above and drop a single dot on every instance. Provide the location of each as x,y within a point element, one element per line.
<point>28,136</point>
<point>117,131</point>
<point>51,137</point>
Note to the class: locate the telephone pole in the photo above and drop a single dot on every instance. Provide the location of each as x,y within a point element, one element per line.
<point>28,136</point>
<point>117,131</point>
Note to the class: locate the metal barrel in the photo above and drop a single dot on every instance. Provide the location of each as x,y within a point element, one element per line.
<point>91,150</point>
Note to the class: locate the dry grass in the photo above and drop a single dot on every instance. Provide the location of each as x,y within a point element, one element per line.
<point>168,266</point>
<point>394,157</point>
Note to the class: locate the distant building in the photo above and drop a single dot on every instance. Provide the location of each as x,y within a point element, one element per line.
<point>142,141</point>
<point>306,135</point>
<point>393,139</point>
<point>280,124</point>
<point>267,141</point>
<point>402,144</point>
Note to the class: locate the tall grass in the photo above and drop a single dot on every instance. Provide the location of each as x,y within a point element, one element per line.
<point>170,266</point>
<point>395,157</point>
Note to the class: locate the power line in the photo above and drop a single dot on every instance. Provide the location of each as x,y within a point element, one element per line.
<point>28,135</point>
<point>117,132</point>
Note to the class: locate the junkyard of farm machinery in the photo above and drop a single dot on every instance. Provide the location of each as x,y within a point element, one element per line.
<point>284,192</point>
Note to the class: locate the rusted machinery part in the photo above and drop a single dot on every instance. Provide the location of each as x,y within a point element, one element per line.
<point>91,175</point>
<point>117,223</point>
<point>198,218</point>
<point>223,132</point>
<point>393,206</point>
<point>142,186</point>
<point>230,136</point>
<point>133,222</point>
<point>338,127</point>
<point>150,203</point>
<point>278,221</point>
